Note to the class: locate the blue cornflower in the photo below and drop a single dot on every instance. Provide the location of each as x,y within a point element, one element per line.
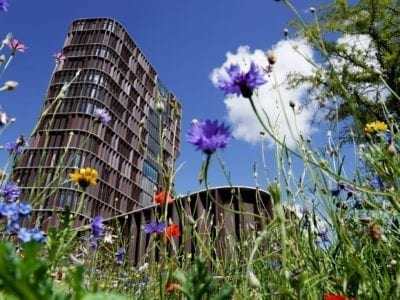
<point>24,208</point>
<point>14,148</point>
<point>24,235</point>
<point>323,234</point>
<point>12,226</point>
<point>102,115</point>
<point>208,136</point>
<point>335,192</point>
<point>238,82</point>
<point>376,183</point>
<point>37,235</point>
<point>34,234</point>
<point>274,265</point>
<point>3,5</point>
<point>10,191</point>
<point>120,255</point>
<point>154,227</point>
<point>97,226</point>
<point>358,203</point>
<point>9,210</point>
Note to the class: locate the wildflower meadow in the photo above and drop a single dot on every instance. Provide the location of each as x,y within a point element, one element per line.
<point>335,228</point>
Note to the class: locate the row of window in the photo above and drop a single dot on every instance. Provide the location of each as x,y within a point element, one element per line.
<point>128,45</point>
<point>150,172</point>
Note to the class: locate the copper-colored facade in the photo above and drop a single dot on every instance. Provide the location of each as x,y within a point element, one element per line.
<point>115,75</point>
<point>215,215</point>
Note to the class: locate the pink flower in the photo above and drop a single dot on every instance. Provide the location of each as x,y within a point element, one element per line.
<point>16,46</point>
<point>59,57</point>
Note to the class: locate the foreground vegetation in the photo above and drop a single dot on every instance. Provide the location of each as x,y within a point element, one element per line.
<point>333,235</point>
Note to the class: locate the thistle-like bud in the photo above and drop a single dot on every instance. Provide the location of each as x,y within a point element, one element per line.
<point>391,148</point>
<point>7,39</point>
<point>159,106</point>
<point>285,32</point>
<point>271,58</point>
<point>10,85</point>
<point>253,280</point>
<point>292,104</point>
<point>2,58</point>
<point>312,10</point>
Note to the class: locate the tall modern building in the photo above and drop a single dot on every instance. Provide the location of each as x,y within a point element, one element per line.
<point>103,68</point>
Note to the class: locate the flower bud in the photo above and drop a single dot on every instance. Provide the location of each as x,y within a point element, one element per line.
<point>159,106</point>
<point>144,267</point>
<point>271,58</point>
<point>285,32</point>
<point>10,85</point>
<point>253,280</point>
<point>312,10</point>
<point>2,58</point>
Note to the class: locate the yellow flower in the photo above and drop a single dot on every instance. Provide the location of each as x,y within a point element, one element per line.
<point>85,176</point>
<point>376,126</point>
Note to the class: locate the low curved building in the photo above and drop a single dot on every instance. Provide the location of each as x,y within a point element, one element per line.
<point>215,215</point>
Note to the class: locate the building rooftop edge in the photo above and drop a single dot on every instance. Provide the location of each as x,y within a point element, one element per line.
<point>127,32</point>
<point>223,187</point>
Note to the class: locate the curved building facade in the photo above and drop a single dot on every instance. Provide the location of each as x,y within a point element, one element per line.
<point>105,69</point>
<point>217,215</point>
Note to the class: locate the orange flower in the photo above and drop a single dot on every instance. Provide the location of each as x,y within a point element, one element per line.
<point>334,297</point>
<point>162,196</point>
<point>172,230</point>
<point>171,287</point>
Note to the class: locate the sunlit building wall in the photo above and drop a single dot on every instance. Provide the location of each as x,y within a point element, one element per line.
<point>113,74</point>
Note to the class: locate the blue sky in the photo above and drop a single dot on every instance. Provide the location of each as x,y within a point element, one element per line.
<point>185,40</point>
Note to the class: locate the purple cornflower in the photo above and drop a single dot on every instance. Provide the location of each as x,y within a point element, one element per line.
<point>120,255</point>
<point>102,115</point>
<point>14,148</point>
<point>238,82</point>
<point>10,191</point>
<point>208,136</point>
<point>97,227</point>
<point>3,5</point>
<point>154,227</point>
<point>94,244</point>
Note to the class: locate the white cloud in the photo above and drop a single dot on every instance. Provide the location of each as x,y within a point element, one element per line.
<point>361,47</point>
<point>244,123</point>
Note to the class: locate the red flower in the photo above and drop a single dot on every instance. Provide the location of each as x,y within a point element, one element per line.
<point>170,287</point>
<point>163,196</point>
<point>172,230</point>
<point>334,297</point>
